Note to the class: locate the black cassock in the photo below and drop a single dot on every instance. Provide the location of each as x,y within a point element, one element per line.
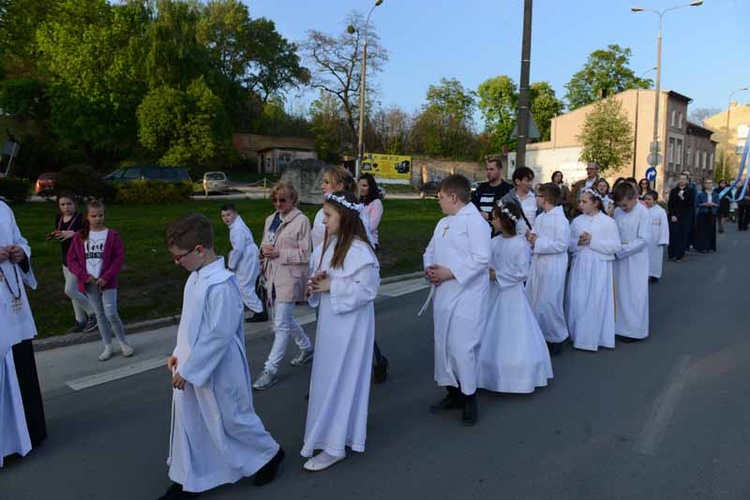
<point>31,394</point>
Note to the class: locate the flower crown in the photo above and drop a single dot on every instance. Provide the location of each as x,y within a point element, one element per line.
<point>506,212</point>
<point>592,192</point>
<point>355,207</point>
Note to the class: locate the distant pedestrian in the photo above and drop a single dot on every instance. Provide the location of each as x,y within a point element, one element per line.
<point>67,223</point>
<point>96,258</point>
<point>592,177</point>
<point>343,286</point>
<point>680,212</point>
<point>705,225</point>
<point>487,194</point>
<point>743,212</point>
<point>725,203</point>
<point>285,251</point>
<point>659,236</point>
<point>243,261</point>
<point>644,186</point>
<point>216,436</point>
<point>369,195</point>
<point>557,179</point>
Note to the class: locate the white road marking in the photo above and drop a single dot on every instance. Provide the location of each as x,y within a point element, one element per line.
<point>116,374</point>
<point>661,414</point>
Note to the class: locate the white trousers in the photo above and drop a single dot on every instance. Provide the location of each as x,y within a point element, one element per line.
<point>284,326</point>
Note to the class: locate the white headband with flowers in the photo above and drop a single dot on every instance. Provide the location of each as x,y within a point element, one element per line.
<point>356,207</point>
<point>504,210</point>
<point>592,192</point>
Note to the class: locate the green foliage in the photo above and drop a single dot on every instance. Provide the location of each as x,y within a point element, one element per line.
<point>498,101</point>
<point>606,135</point>
<point>445,127</point>
<point>606,71</point>
<point>85,182</point>
<point>544,106</point>
<point>153,192</point>
<point>14,189</point>
<point>328,126</point>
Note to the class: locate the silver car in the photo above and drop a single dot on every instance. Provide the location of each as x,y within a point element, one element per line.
<point>215,182</point>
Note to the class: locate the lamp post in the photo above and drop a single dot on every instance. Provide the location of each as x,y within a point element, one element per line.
<point>727,152</point>
<point>657,97</point>
<point>637,106</point>
<point>360,139</point>
<point>523,97</point>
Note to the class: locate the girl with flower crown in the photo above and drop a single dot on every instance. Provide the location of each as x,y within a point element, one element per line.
<point>343,286</point>
<point>513,356</point>
<point>590,307</point>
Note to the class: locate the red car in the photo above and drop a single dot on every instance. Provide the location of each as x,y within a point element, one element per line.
<point>45,184</point>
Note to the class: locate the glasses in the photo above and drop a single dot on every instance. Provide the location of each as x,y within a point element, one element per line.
<point>278,200</point>
<point>178,258</point>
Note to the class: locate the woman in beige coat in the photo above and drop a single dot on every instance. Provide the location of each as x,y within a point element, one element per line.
<point>285,253</point>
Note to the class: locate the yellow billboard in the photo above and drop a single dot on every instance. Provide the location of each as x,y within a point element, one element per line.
<point>394,168</point>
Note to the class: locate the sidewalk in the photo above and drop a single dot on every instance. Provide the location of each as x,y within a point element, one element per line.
<point>74,365</point>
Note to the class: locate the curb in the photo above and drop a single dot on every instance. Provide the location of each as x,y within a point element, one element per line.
<point>68,339</point>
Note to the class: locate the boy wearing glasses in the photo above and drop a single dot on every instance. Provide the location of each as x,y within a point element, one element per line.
<point>243,261</point>
<point>216,437</point>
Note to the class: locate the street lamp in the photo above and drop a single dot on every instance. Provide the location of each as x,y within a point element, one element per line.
<point>657,97</point>
<point>727,152</point>
<point>360,139</point>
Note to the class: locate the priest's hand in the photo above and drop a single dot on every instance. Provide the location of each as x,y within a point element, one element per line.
<point>171,364</point>
<point>178,382</point>
<point>15,253</point>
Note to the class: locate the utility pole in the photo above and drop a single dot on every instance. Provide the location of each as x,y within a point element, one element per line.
<point>523,98</point>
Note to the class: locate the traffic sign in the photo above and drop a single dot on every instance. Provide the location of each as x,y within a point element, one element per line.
<point>651,174</point>
<point>654,159</point>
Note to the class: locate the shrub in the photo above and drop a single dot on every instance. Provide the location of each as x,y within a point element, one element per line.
<point>14,190</point>
<point>153,192</point>
<point>85,182</point>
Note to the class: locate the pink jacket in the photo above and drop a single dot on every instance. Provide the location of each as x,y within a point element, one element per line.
<point>287,274</point>
<point>112,260</point>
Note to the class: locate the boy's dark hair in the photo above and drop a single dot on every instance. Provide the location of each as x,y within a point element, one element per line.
<point>228,207</point>
<point>190,231</point>
<point>653,194</point>
<point>623,191</point>
<point>457,184</point>
<point>551,193</point>
<point>505,221</point>
<point>522,173</point>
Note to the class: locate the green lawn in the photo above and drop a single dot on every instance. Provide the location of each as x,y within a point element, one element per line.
<point>150,285</point>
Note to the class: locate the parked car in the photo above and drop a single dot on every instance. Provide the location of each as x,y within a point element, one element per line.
<point>214,182</point>
<point>429,189</point>
<point>45,184</point>
<point>148,173</point>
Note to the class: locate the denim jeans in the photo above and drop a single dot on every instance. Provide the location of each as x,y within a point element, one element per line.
<point>104,304</point>
<point>81,306</point>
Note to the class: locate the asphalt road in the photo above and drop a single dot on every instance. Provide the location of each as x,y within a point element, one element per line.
<point>661,419</point>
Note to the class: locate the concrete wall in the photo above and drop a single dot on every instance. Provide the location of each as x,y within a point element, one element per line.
<point>424,170</point>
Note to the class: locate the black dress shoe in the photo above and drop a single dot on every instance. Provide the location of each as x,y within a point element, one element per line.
<point>628,340</point>
<point>554,348</point>
<point>267,473</point>
<point>471,410</point>
<point>380,371</point>
<point>452,401</point>
<point>258,318</point>
<point>175,492</point>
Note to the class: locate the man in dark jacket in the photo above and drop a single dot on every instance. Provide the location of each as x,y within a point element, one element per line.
<point>488,193</point>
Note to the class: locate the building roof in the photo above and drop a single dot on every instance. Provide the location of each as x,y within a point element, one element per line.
<point>256,142</point>
<point>700,128</point>
<point>685,98</point>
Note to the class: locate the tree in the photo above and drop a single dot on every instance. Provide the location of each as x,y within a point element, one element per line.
<point>605,73</point>
<point>336,65</point>
<point>389,131</point>
<point>700,114</point>
<point>606,135</point>
<point>544,107</point>
<point>498,101</point>
<point>329,126</point>
<point>445,126</point>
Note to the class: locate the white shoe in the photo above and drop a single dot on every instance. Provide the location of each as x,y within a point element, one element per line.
<point>106,353</point>
<point>302,358</point>
<point>126,349</point>
<point>322,461</point>
<point>266,380</point>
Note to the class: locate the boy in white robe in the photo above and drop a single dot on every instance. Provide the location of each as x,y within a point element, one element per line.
<point>17,328</point>
<point>659,236</point>
<point>217,437</point>
<point>456,262</point>
<point>545,287</point>
<point>631,265</point>
<point>243,261</point>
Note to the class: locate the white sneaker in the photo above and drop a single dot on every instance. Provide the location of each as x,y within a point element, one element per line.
<point>266,380</point>
<point>322,461</point>
<point>302,358</point>
<point>106,353</point>
<point>126,349</point>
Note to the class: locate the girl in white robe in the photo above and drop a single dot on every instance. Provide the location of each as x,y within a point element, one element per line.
<point>590,305</point>
<point>659,236</point>
<point>545,287</point>
<point>343,287</point>
<point>513,356</point>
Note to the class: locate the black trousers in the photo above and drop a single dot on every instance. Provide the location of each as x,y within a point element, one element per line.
<point>679,233</point>
<point>31,394</point>
<point>705,235</point>
<point>743,216</point>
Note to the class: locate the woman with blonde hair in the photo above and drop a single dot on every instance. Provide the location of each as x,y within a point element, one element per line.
<point>285,253</point>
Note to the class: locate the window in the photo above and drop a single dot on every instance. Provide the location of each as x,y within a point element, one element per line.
<point>687,157</point>
<point>705,162</point>
<point>679,123</point>
<point>711,161</point>
<point>670,151</point>
<point>672,118</point>
<point>678,153</point>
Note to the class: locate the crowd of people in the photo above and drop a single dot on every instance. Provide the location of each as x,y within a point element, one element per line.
<point>514,274</point>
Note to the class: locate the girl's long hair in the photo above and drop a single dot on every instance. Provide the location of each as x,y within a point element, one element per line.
<point>84,232</point>
<point>373,193</point>
<point>350,228</point>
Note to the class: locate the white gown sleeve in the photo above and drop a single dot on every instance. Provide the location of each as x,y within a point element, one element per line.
<point>513,269</point>
<point>352,292</point>
<point>26,276</point>
<point>556,241</point>
<point>238,246</point>
<point>664,237</point>
<point>641,240</point>
<point>573,245</point>
<point>607,240</point>
<point>428,258</point>
<point>224,314</point>
<point>478,261</point>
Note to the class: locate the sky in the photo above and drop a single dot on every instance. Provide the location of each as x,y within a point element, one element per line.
<point>703,54</point>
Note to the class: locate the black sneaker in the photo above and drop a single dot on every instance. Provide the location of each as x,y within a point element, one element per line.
<point>452,401</point>
<point>258,318</point>
<point>267,473</point>
<point>77,328</point>
<point>91,324</point>
<point>471,410</point>
<point>380,371</point>
<point>175,492</point>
